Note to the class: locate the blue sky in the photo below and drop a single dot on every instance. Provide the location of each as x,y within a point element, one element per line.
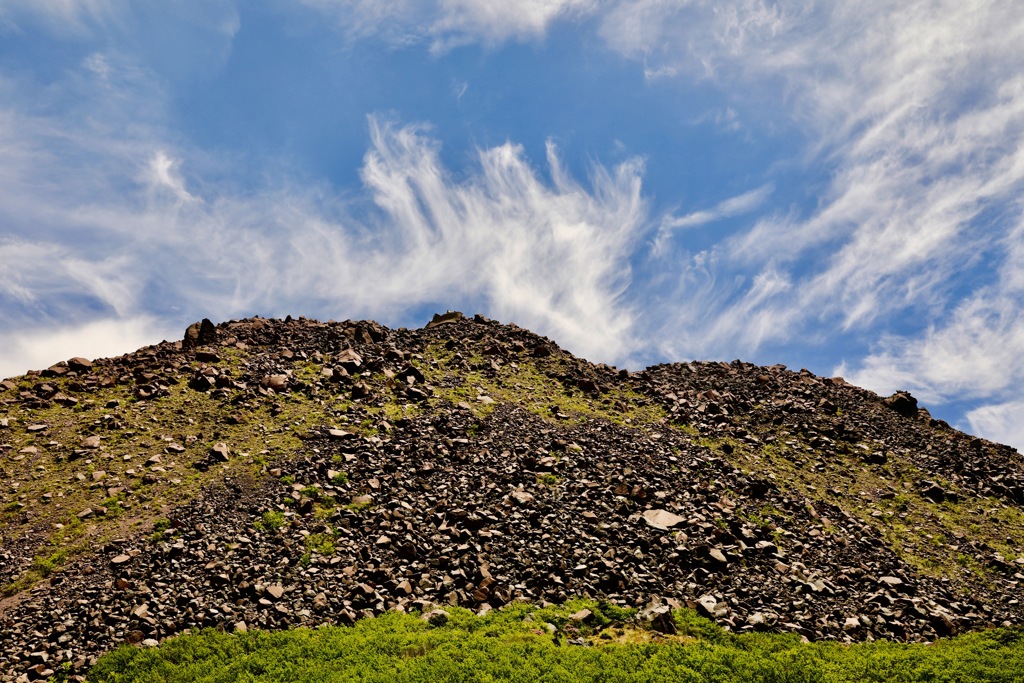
<point>836,186</point>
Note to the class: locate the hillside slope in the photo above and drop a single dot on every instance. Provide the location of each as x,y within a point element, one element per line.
<point>265,473</point>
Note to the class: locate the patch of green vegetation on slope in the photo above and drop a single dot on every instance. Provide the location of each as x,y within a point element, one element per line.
<point>79,499</point>
<point>533,384</point>
<point>516,644</point>
<point>934,537</point>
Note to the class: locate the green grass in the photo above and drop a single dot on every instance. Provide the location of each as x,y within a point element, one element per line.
<point>272,519</point>
<point>920,531</point>
<point>547,479</point>
<point>515,644</point>
<point>132,430</point>
<point>321,543</point>
<point>530,384</point>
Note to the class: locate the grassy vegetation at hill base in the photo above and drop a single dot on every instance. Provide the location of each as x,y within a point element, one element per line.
<point>514,644</point>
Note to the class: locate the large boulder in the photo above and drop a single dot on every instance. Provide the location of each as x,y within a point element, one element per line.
<point>199,334</point>
<point>903,403</point>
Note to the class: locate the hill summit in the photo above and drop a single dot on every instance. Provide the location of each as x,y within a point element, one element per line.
<point>273,473</point>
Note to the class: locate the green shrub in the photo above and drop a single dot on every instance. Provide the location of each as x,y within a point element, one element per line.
<point>272,519</point>
<point>547,479</point>
<point>511,644</point>
<point>321,543</point>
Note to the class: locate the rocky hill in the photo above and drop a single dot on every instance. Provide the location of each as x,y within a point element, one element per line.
<point>266,473</point>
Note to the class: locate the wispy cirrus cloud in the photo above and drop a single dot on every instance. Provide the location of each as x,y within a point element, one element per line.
<point>496,21</point>
<point>917,115</point>
<point>727,208</point>
<point>110,223</point>
<point>66,17</point>
<point>121,232</point>
<point>975,353</point>
<point>445,24</point>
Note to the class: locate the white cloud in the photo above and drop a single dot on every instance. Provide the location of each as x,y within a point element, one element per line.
<point>63,17</point>
<point>743,203</point>
<point>975,353</point>
<point>104,219</point>
<point>699,37</point>
<point>162,174</point>
<point>733,206</point>
<point>916,111</point>
<point>551,255</point>
<point>1002,422</point>
<point>444,24</point>
<point>496,21</point>
<point>40,348</point>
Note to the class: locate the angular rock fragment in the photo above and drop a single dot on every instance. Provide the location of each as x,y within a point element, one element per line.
<point>275,382</point>
<point>442,318</point>
<point>522,497</point>
<point>662,519</point>
<point>220,452</point>
<point>79,364</point>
